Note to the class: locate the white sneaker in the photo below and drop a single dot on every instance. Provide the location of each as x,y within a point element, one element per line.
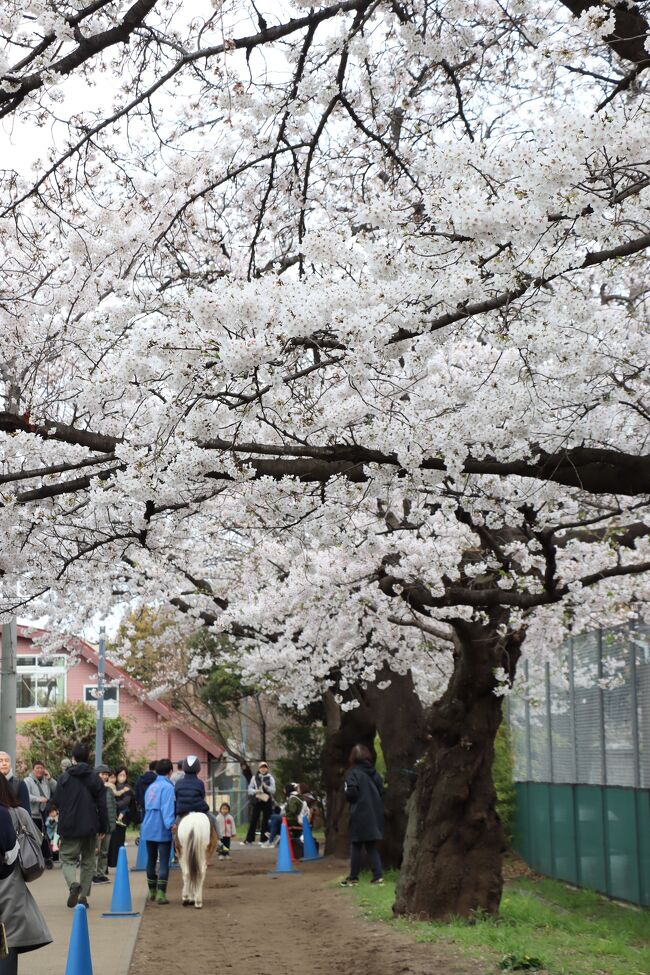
<point>263,844</point>
<point>245,843</point>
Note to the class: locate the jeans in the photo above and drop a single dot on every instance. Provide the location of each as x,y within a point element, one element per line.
<point>78,848</point>
<point>275,825</point>
<point>265,809</point>
<point>356,850</point>
<point>156,849</point>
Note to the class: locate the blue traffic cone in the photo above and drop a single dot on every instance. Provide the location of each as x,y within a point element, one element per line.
<point>121,905</point>
<point>308,842</point>
<point>141,860</point>
<point>284,864</point>
<point>79,960</point>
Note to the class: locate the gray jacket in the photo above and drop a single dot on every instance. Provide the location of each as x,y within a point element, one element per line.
<point>37,789</point>
<point>25,925</point>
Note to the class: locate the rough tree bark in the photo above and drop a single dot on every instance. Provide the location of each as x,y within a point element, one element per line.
<point>344,730</point>
<point>402,728</point>
<point>454,844</point>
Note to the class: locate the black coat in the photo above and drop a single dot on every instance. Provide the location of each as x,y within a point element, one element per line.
<point>21,792</point>
<point>142,785</point>
<point>364,790</point>
<point>7,841</point>
<point>80,797</point>
<point>190,794</point>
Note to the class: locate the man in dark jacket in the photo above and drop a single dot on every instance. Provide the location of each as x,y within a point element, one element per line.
<point>80,797</point>
<point>364,791</point>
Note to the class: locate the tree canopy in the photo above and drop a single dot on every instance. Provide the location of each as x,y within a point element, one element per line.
<point>324,324</point>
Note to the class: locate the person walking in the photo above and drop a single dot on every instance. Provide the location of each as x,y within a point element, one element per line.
<point>17,784</point>
<point>156,831</point>
<point>80,797</point>
<point>261,790</point>
<point>41,789</point>
<point>178,774</point>
<point>25,927</point>
<point>101,864</point>
<point>364,791</point>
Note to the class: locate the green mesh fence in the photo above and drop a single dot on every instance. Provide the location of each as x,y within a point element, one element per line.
<point>591,836</point>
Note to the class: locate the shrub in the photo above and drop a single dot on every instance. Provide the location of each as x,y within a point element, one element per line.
<point>52,737</point>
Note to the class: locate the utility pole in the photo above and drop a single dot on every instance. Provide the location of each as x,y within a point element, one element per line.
<point>8,690</point>
<point>101,668</point>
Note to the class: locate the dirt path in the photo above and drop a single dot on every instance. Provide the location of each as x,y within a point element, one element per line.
<point>254,924</point>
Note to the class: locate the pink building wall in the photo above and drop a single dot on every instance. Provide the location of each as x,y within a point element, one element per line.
<point>150,734</point>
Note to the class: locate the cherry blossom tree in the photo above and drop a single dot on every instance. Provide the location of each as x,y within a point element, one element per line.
<point>326,325</point>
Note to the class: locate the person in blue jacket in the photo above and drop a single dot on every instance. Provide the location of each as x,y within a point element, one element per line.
<point>156,830</point>
<point>190,793</point>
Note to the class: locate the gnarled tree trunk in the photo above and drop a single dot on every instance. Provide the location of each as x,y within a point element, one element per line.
<point>402,728</point>
<point>344,730</point>
<point>454,845</point>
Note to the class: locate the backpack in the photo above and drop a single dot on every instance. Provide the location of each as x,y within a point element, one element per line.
<point>30,856</point>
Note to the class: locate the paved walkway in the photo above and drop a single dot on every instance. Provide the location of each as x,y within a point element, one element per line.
<point>112,940</point>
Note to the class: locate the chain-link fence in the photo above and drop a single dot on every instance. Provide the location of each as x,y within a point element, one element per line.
<point>225,784</point>
<point>581,742</point>
<point>587,721</point>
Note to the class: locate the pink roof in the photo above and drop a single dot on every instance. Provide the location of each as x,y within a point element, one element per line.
<point>134,687</point>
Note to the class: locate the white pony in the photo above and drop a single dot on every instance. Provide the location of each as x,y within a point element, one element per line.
<point>196,841</point>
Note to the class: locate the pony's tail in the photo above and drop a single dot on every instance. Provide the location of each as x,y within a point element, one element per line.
<point>193,854</point>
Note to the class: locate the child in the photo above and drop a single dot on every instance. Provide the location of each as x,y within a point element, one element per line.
<point>190,793</point>
<point>294,809</point>
<point>226,829</point>
<point>52,830</point>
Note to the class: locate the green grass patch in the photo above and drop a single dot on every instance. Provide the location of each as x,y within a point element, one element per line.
<point>542,921</point>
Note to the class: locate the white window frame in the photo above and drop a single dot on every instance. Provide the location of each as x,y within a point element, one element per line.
<point>111,712</point>
<point>34,670</point>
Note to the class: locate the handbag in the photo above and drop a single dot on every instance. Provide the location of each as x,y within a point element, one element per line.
<point>30,855</point>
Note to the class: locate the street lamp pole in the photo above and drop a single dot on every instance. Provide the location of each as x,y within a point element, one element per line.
<point>8,690</point>
<point>101,669</point>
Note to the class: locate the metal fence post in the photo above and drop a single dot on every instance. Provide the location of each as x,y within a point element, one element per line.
<point>601,712</point>
<point>549,726</point>
<point>551,776</point>
<point>529,757</point>
<point>634,703</point>
<point>603,768</point>
<point>573,725</point>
